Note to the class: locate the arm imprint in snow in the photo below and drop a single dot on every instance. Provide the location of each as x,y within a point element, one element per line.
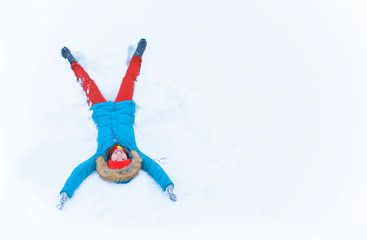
<point>119,175</point>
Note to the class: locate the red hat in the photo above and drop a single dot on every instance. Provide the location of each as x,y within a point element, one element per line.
<point>118,164</point>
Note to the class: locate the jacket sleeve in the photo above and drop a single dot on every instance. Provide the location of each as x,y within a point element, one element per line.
<point>81,172</point>
<point>155,171</point>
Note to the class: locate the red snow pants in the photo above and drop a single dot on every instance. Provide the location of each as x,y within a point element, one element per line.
<point>126,91</point>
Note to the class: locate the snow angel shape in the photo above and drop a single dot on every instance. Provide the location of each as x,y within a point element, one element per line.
<point>118,159</point>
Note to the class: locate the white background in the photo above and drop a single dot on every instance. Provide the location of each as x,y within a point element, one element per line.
<point>255,109</point>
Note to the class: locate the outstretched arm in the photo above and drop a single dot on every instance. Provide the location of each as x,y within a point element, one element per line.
<point>158,174</point>
<point>81,172</point>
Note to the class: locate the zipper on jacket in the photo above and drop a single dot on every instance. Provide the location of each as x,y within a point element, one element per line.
<point>112,122</point>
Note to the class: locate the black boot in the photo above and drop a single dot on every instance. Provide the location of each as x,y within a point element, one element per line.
<point>65,52</point>
<point>140,48</point>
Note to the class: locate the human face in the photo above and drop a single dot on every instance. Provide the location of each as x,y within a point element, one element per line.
<point>118,155</point>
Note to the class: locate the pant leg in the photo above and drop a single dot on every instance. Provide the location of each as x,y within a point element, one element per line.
<point>90,88</point>
<point>126,91</point>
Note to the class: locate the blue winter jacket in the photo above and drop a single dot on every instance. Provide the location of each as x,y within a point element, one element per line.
<point>115,125</point>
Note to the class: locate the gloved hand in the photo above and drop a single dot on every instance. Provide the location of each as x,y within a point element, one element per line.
<point>171,195</point>
<point>63,198</point>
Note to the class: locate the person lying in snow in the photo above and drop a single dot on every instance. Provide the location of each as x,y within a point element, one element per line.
<point>118,159</point>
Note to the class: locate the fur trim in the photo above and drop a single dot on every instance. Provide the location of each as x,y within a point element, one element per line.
<point>119,175</point>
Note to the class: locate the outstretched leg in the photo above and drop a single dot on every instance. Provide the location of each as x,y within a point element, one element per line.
<point>90,88</point>
<point>126,91</point>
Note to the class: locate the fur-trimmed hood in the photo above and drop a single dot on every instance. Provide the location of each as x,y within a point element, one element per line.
<point>119,175</point>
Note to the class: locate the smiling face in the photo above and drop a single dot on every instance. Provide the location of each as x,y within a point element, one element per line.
<point>118,155</point>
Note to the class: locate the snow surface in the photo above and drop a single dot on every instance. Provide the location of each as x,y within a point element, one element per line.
<point>256,110</point>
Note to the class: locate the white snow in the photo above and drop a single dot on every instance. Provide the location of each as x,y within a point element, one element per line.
<point>257,111</point>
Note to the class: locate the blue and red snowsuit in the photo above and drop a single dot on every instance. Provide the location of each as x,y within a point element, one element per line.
<point>114,122</point>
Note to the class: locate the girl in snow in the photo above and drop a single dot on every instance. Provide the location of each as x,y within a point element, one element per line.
<point>118,158</point>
